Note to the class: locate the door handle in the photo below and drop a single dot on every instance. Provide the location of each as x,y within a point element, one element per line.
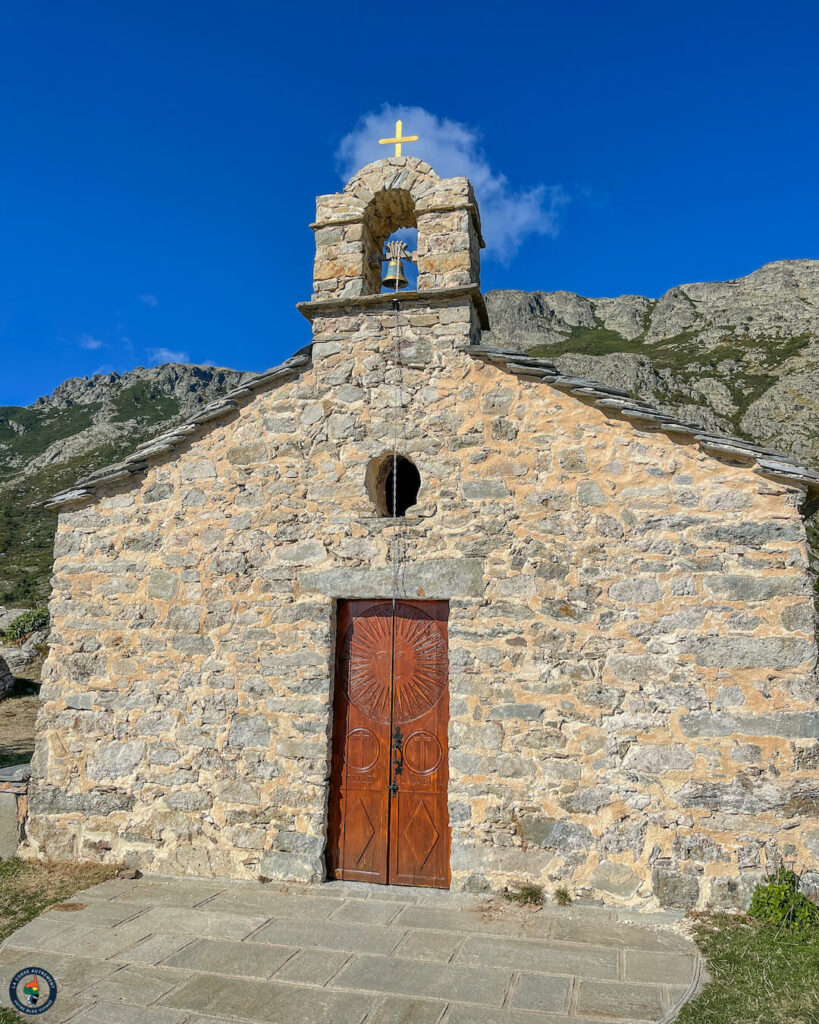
<point>397,751</point>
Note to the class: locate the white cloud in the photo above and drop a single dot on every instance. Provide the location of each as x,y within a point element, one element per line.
<point>508,215</point>
<point>105,369</point>
<point>166,355</point>
<point>89,342</point>
<point>149,300</point>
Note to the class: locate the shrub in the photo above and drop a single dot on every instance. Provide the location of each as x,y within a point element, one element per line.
<point>779,902</point>
<point>24,625</point>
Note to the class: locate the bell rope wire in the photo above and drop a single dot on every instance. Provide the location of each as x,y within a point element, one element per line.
<point>396,402</point>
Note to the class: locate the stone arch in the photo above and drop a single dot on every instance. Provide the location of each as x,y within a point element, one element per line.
<point>352,225</point>
<point>387,212</point>
<point>398,172</point>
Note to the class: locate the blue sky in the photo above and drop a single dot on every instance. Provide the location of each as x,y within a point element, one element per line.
<point>160,160</point>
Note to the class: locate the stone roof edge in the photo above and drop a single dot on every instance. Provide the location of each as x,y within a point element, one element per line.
<point>769,463</point>
<point>137,462</point>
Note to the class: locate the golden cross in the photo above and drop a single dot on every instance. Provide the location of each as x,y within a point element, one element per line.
<point>398,140</point>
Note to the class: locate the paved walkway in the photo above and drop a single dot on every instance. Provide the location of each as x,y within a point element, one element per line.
<point>181,951</point>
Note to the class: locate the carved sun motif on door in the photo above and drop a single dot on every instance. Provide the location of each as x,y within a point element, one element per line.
<point>419,673</point>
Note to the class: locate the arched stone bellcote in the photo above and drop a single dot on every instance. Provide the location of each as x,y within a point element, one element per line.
<point>352,226</point>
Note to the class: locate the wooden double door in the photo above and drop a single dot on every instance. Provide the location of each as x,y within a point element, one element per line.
<point>388,816</point>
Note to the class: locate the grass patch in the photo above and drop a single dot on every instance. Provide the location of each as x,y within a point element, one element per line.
<point>760,974</point>
<point>527,894</point>
<point>563,898</point>
<point>27,888</point>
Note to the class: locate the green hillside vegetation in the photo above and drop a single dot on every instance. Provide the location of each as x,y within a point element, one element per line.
<point>27,532</point>
<point>144,402</point>
<point>747,366</point>
<point>89,423</point>
<point>28,432</point>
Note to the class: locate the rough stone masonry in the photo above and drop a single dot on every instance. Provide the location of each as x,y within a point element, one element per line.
<point>633,691</point>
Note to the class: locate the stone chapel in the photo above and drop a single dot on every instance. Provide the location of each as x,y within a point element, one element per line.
<point>409,609</point>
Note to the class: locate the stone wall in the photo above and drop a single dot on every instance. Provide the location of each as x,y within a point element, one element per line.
<point>632,651</point>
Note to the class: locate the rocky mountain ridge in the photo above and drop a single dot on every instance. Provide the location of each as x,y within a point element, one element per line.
<point>738,356</point>
<point>86,422</point>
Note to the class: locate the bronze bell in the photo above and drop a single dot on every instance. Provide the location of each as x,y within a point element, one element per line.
<point>394,276</point>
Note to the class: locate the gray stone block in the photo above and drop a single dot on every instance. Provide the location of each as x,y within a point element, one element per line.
<point>748,652</point>
<point>755,588</point>
<point>618,879</point>
<point>655,758</point>
<point>734,893</point>
<point>8,825</point>
<point>555,834</point>
<point>789,724</point>
<point>163,585</point>
<point>113,760</point>
<point>675,890</point>
<point>294,866</point>
<point>51,800</point>
<point>434,579</point>
<point>527,712</point>
<point>249,731</point>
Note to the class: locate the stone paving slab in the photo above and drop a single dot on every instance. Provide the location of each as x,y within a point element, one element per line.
<point>463,1014</point>
<point>174,894</point>
<point>366,912</point>
<point>188,951</point>
<point>356,938</point>
<point>133,984</point>
<point>599,998</point>
<point>73,973</point>
<point>573,930</point>
<point>243,901</point>
<point>410,977</point>
<point>400,1010</point>
<point>154,949</point>
<point>541,957</point>
<point>237,959</point>
<point>659,968</point>
<point>270,1001</point>
<point>313,966</point>
<point>429,945</point>
<point>116,1013</point>
<point>541,992</point>
<point>212,923</point>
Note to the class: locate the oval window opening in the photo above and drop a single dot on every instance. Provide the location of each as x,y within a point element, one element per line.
<point>392,477</point>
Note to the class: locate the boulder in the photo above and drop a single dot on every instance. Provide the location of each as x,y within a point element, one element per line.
<point>6,678</point>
